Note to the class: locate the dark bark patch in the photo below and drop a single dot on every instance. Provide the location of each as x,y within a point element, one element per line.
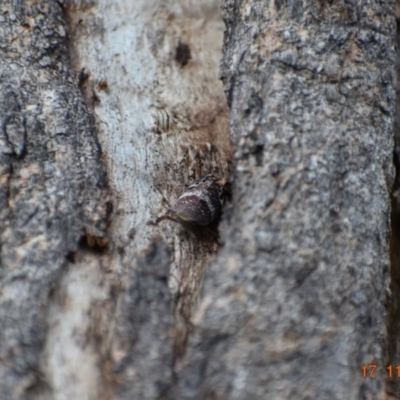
<point>183,54</point>
<point>279,4</point>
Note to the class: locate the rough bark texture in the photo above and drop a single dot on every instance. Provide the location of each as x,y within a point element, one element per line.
<point>295,303</point>
<point>149,70</point>
<point>52,184</point>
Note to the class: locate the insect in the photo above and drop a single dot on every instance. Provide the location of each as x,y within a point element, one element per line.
<point>200,204</point>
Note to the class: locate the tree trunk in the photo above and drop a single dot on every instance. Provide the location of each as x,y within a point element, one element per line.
<point>98,304</point>
<point>52,183</point>
<point>112,325</point>
<point>294,305</point>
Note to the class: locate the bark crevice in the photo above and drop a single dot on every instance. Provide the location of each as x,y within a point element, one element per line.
<point>393,387</point>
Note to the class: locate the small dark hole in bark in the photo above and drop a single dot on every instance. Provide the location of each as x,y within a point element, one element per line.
<point>183,54</point>
<point>109,208</point>
<point>95,244</point>
<point>71,257</point>
<point>163,279</point>
<point>259,154</point>
<point>83,77</point>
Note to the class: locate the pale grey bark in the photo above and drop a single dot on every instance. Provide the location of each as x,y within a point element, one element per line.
<point>150,70</point>
<point>98,306</point>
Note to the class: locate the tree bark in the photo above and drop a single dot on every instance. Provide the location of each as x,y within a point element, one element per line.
<point>150,71</point>
<point>100,306</point>
<point>294,305</point>
<point>52,183</point>
<point>394,312</point>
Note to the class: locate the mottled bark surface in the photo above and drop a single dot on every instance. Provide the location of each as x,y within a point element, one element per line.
<point>52,184</point>
<point>149,71</point>
<point>295,303</point>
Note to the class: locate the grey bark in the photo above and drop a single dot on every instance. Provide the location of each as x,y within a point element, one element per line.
<point>295,303</point>
<point>99,306</point>
<point>52,183</point>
